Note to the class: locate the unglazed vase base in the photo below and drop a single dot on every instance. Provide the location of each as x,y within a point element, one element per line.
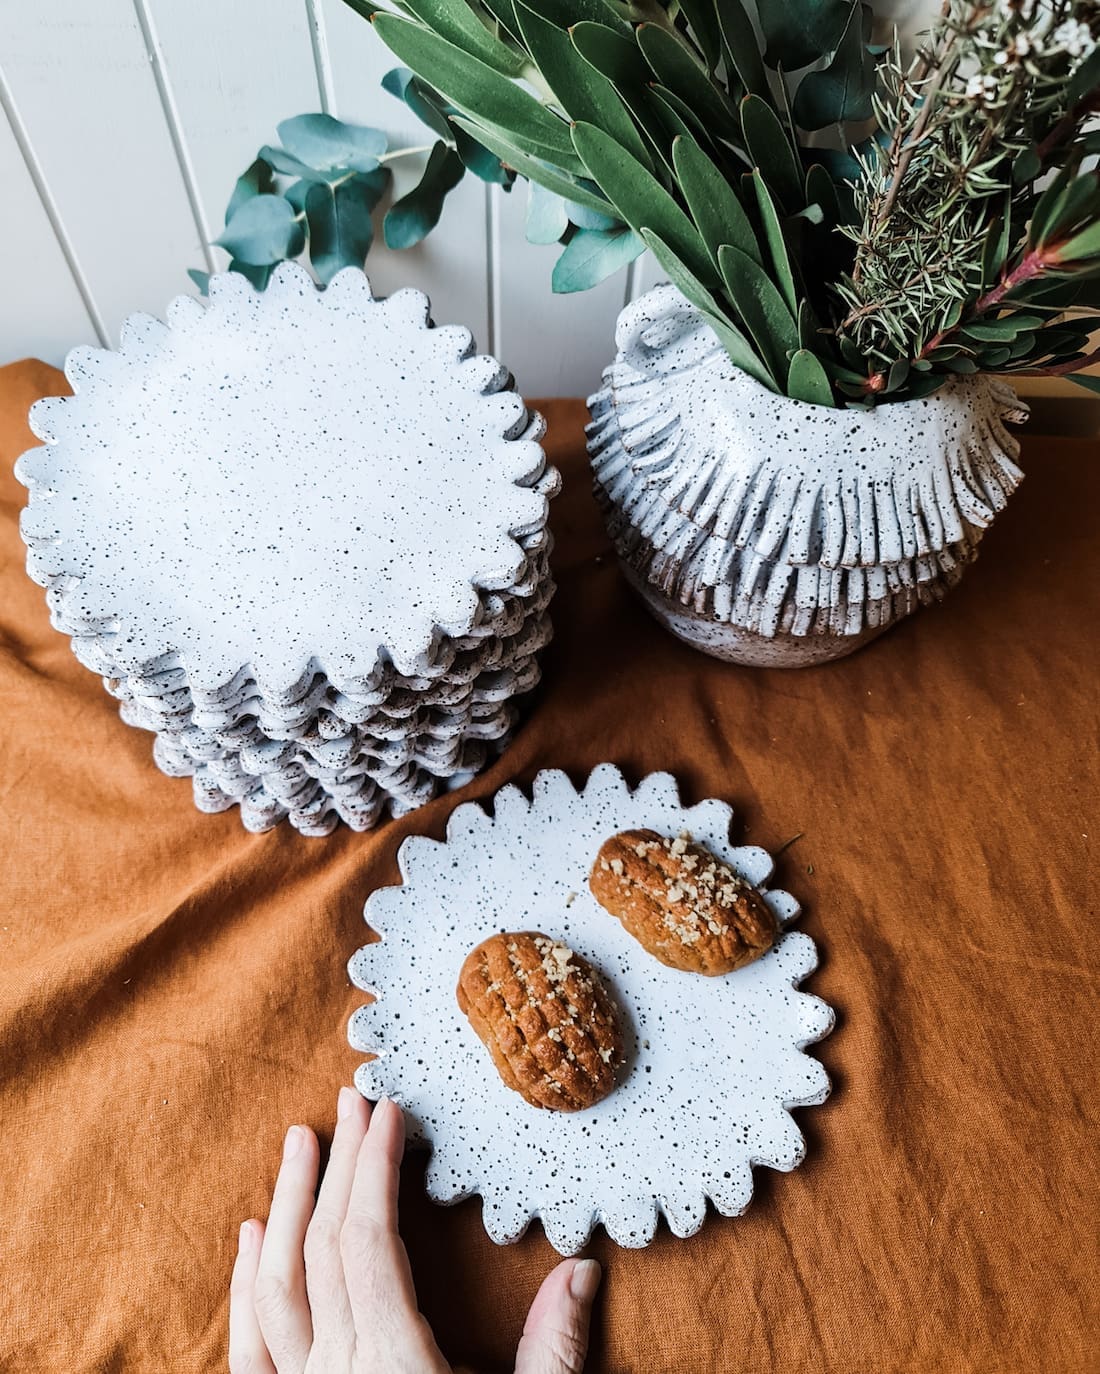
<point>735,644</point>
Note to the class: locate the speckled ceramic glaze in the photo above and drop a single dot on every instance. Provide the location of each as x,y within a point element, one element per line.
<point>713,1064</point>
<point>302,536</point>
<point>767,531</point>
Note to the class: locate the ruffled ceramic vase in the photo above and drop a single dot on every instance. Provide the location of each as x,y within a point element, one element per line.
<point>766,531</point>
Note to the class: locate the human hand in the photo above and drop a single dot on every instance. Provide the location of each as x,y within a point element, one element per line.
<point>325,1287</point>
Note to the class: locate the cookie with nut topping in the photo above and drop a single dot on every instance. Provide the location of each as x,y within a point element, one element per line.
<point>545,1017</point>
<point>679,901</point>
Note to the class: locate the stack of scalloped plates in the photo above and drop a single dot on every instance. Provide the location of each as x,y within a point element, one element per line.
<point>302,537</point>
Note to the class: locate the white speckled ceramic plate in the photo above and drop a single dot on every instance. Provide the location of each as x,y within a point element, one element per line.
<point>713,1067</point>
<point>296,517</point>
<point>372,480</point>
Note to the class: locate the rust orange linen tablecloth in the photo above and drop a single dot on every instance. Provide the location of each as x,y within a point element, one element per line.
<point>174,992</point>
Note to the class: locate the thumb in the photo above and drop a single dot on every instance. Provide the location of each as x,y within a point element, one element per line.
<point>555,1335</point>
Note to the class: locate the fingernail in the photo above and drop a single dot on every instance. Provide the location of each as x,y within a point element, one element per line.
<point>345,1103</point>
<point>585,1279</point>
<point>295,1139</point>
<point>245,1239</point>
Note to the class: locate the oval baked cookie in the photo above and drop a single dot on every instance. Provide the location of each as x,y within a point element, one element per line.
<point>545,1017</point>
<point>687,908</point>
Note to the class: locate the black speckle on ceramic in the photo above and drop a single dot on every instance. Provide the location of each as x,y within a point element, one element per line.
<point>713,1064</point>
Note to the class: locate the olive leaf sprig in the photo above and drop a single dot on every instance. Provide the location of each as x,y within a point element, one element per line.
<point>682,127</point>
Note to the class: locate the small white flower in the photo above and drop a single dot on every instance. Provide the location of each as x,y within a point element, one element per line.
<point>982,87</point>
<point>1073,37</point>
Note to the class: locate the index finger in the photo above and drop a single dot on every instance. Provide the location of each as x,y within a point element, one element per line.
<point>373,1199</point>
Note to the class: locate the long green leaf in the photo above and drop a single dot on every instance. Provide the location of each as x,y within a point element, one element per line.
<point>1004,328</point>
<point>581,91</point>
<point>741,46</point>
<point>782,271</point>
<point>715,208</point>
<point>498,142</point>
<point>809,328</point>
<point>741,352</point>
<point>675,68</point>
<point>1083,245</point>
<point>567,13</point>
<point>503,11</point>
<point>1047,204</point>
<point>591,255</point>
<point>1078,205</point>
<point>639,198</point>
<point>614,55</point>
<point>821,190</point>
<point>672,112</point>
<point>364,8</point>
<point>432,110</point>
<point>702,16</point>
<point>455,21</point>
<point>480,91</point>
<point>770,149</point>
<point>764,311</point>
<point>808,381</point>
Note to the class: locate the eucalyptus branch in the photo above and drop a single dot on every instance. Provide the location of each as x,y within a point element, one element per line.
<point>406,152</point>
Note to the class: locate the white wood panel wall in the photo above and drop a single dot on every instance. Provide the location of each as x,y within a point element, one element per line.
<point>126,122</point>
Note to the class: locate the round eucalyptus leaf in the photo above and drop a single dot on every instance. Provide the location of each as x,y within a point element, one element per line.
<point>256,180</point>
<point>417,213</point>
<point>263,230</point>
<point>592,255</point>
<point>340,228</point>
<point>547,218</point>
<point>324,143</point>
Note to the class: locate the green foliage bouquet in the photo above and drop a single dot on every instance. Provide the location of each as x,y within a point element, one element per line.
<point>855,227</point>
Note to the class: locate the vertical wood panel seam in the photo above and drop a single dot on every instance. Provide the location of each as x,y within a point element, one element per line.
<point>322,60</point>
<point>175,129</point>
<point>50,209</point>
<point>494,345</point>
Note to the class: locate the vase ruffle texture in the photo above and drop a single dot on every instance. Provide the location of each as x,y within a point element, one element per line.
<point>767,531</point>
